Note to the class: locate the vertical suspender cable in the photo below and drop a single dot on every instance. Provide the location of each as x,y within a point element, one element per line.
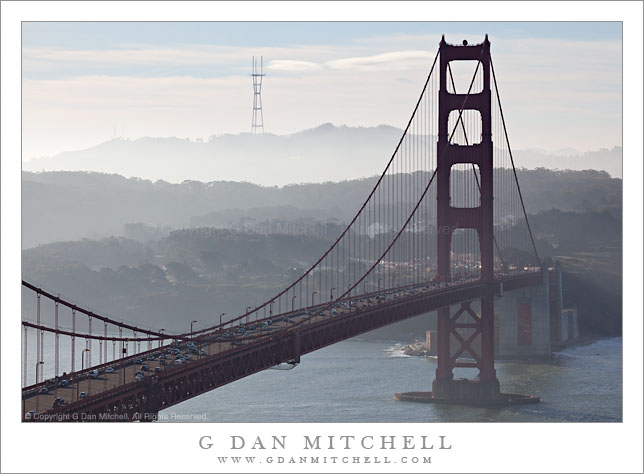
<point>105,349</point>
<point>39,337</point>
<point>24,368</point>
<point>56,342</point>
<point>73,339</point>
<point>516,179</point>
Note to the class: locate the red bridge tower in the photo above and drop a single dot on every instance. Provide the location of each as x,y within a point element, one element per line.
<point>479,218</point>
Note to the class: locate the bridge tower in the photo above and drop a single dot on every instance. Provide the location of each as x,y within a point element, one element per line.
<point>451,342</point>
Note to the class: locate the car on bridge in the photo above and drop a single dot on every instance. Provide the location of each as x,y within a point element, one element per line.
<point>62,383</point>
<point>58,402</point>
<point>93,373</point>
<point>109,370</point>
<point>83,394</point>
<point>44,390</point>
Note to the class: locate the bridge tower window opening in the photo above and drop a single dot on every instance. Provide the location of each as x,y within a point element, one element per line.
<point>460,74</point>
<point>465,179</point>
<point>467,125</point>
<point>466,255</point>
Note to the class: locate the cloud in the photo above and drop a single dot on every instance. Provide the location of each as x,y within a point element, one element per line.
<point>293,66</point>
<point>287,59</point>
<point>46,62</point>
<point>128,56</point>
<point>400,59</point>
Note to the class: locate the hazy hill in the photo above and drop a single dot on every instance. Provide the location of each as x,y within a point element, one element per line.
<point>604,159</point>
<point>72,205</point>
<point>196,273</point>
<point>324,153</point>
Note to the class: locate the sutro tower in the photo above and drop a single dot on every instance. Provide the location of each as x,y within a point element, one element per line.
<point>258,114</point>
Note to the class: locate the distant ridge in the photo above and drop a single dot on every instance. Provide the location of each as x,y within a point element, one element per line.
<point>324,153</point>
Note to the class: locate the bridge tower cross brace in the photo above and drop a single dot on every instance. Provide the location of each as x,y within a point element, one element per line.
<point>479,218</point>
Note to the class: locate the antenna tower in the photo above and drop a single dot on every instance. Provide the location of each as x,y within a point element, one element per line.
<point>258,114</point>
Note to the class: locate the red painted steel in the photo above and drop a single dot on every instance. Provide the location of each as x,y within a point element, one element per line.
<point>524,324</point>
<point>479,218</point>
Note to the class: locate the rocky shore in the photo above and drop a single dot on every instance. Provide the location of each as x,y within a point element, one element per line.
<point>418,348</point>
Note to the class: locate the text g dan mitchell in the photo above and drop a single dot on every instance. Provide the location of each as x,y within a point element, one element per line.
<point>329,442</point>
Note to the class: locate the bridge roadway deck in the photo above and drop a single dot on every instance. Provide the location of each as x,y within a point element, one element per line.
<point>224,361</point>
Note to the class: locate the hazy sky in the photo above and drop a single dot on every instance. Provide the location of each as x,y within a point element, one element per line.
<point>560,82</point>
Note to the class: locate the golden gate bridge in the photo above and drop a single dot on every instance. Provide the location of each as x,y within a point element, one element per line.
<point>444,226</point>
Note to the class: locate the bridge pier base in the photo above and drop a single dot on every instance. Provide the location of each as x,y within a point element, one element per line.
<point>469,391</point>
<point>464,390</point>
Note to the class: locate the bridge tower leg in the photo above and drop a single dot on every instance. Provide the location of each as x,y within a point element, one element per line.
<point>479,218</point>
